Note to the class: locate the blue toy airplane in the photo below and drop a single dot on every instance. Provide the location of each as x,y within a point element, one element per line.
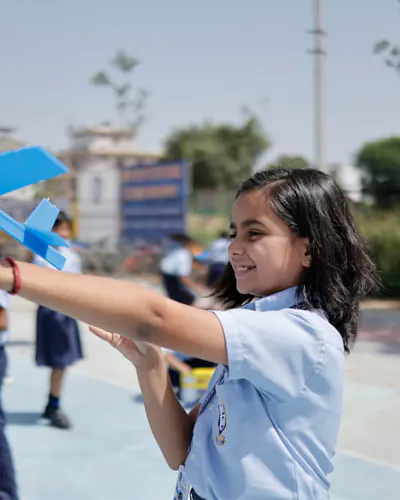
<point>22,168</point>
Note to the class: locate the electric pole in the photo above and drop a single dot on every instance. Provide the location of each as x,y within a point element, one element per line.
<point>319,55</point>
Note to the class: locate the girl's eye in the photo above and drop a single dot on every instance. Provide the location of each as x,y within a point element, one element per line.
<point>254,234</point>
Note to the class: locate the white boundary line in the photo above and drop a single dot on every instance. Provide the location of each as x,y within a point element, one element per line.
<point>366,458</point>
<point>342,451</point>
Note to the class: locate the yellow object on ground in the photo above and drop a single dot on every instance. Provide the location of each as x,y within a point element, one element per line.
<point>195,383</point>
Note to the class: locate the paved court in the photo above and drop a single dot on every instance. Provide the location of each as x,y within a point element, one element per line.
<point>110,453</point>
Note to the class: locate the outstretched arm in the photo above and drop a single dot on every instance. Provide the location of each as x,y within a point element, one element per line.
<point>134,311</point>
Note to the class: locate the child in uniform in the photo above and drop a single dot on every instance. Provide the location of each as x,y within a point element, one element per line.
<point>218,258</point>
<point>58,343</point>
<point>176,270</point>
<point>268,424</point>
<point>8,488</point>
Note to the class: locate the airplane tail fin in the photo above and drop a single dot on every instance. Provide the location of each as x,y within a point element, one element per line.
<point>41,222</point>
<point>43,216</point>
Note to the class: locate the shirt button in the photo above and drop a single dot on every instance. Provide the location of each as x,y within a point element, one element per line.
<point>192,457</point>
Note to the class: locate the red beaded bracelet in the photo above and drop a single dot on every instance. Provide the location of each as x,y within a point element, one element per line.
<point>17,276</point>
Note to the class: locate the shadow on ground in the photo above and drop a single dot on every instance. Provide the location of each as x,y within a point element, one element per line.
<point>23,418</point>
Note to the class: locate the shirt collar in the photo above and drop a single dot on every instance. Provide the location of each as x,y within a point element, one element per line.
<point>275,302</point>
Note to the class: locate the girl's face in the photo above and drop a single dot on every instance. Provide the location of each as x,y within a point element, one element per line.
<point>64,230</point>
<point>265,255</point>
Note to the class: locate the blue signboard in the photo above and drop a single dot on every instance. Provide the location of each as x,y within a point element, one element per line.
<point>153,201</point>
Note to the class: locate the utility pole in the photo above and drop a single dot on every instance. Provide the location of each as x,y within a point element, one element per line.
<point>319,55</point>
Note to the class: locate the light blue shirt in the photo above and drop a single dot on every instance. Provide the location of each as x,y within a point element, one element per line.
<point>177,262</point>
<point>73,262</point>
<point>270,427</point>
<point>218,252</point>
<point>5,304</point>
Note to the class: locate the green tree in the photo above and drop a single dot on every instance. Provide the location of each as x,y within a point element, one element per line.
<point>221,155</point>
<point>379,162</point>
<point>287,161</point>
<point>390,53</point>
<point>130,109</point>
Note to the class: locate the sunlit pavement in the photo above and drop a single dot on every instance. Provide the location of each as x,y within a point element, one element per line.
<point>110,453</point>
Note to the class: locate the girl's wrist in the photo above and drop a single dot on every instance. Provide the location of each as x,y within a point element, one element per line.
<point>153,361</point>
<point>7,279</point>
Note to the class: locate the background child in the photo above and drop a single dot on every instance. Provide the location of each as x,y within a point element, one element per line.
<point>58,343</point>
<point>8,489</point>
<point>217,258</point>
<point>176,270</point>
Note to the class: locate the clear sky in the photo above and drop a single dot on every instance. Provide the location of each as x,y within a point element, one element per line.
<point>201,60</point>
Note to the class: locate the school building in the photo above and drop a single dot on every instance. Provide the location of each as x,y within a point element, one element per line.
<point>96,156</point>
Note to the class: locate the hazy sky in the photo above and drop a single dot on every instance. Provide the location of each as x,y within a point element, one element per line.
<point>201,60</point>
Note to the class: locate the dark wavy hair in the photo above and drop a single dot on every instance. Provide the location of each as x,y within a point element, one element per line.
<point>341,272</point>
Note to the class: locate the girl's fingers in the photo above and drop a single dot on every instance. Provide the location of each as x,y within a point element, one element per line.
<point>103,334</point>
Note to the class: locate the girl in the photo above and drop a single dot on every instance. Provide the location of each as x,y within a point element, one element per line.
<point>58,343</point>
<point>176,270</point>
<point>268,424</point>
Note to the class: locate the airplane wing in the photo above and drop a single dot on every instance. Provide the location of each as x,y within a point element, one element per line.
<point>22,168</point>
<point>27,166</point>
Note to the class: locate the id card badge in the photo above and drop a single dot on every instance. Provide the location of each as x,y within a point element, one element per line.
<point>182,488</point>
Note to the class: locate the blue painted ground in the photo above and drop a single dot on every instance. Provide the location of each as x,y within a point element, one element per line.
<point>110,453</point>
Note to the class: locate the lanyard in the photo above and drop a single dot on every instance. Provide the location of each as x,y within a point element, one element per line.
<point>212,392</point>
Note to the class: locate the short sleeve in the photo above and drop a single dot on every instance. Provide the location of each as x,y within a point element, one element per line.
<point>183,263</point>
<point>276,351</point>
<point>4,299</point>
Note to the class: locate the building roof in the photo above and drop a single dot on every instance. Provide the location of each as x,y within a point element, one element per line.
<point>108,153</point>
<point>10,144</point>
<point>6,130</point>
<point>103,130</point>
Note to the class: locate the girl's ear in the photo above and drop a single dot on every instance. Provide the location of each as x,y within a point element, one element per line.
<point>306,257</point>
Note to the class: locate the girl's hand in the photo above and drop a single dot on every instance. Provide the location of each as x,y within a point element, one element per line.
<point>186,368</point>
<point>144,356</point>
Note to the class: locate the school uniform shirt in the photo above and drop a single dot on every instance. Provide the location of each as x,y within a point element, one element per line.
<point>73,262</point>
<point>218,252</point>
<point>5,304</point>
<point>269,427</point>
<point>177,262</point>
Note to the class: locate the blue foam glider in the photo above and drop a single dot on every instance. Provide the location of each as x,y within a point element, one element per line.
<point>22,168</point>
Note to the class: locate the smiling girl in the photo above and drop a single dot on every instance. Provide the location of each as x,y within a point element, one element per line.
<point>268,424</point>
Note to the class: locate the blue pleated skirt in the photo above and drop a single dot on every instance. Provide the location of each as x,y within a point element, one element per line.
<point>58,342</point>
<point>176,290</point>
